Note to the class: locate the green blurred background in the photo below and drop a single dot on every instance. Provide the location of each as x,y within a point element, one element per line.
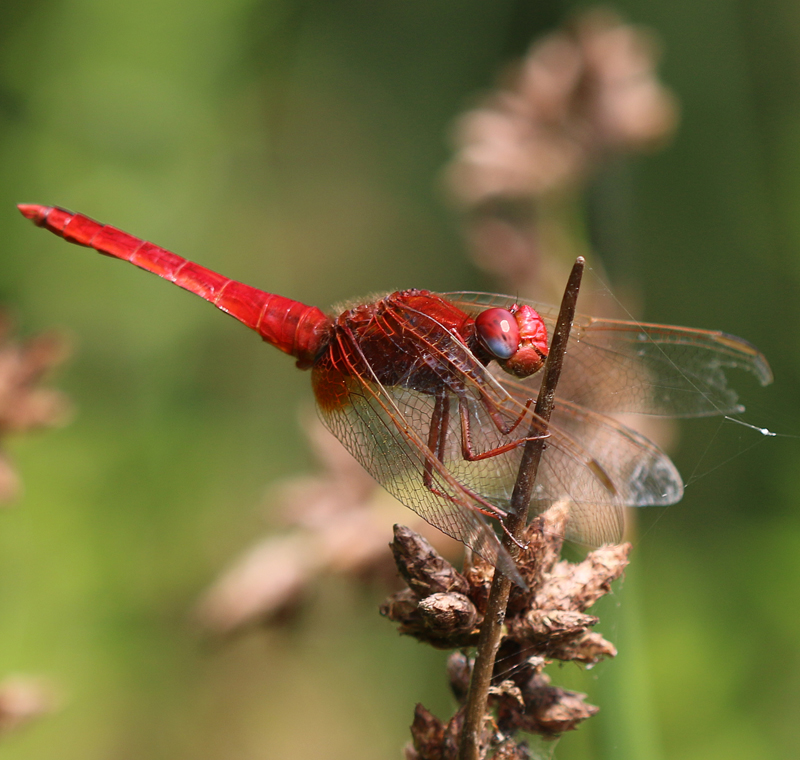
<point>297,146</point>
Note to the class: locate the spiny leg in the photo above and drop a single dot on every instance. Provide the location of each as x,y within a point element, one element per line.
<point>494,414</point>
<point>466,435</point>
<point>437,435</point>
<point>437,440</point>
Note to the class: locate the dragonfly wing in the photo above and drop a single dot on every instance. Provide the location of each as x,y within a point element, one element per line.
<point>655,369</point>
<point>601,466</point>
<point>379,428</point>
<point>617,366</point>
<point>589,458</point>
<point>594,462</point>
<point>597,464</point>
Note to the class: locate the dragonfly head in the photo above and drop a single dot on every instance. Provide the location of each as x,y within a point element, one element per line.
<point>516,338</point>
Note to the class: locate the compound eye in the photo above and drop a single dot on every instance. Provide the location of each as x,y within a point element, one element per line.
<point>498,332</point>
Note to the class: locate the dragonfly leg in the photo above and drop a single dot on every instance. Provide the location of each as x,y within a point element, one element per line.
<point>512,536</point>
<point>491,408</point>
<point>437,439</point>
<point>466,436</point>
<point>437,435</point>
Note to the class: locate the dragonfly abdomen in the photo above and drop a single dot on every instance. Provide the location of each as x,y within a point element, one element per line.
<point>289,325</point>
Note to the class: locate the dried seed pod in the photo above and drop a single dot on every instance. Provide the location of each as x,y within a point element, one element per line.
<point>551,710</point>
<point>547,626</point>
<point>588,648</point>
<point>448,614</point>
<point>422,567</point>
<point>510,750</point>
<point>578,587</point>
<point>403,608</point>
<point>459,672</point>
<point>427,733</point>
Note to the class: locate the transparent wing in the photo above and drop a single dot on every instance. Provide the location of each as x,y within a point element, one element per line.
<point>594,462</point>
<point>383,437</point>
<point>617,366</point>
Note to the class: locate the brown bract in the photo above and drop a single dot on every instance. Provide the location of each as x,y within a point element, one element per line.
<point>545,622</point>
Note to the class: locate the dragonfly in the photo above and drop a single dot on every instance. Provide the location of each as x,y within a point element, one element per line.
<point>434,393</point>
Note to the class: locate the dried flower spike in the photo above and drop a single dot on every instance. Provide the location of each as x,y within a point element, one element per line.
<point>545,622</point>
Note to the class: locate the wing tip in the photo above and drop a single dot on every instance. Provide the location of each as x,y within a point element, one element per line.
<point>756,362</point>
<point>764,371</point>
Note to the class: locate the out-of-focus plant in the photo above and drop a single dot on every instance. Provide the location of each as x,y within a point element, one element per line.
<point>22,700</point>
<point>337,524</point>
<point>334,526</point>
<point>582,97</point>
<point>24,404</point>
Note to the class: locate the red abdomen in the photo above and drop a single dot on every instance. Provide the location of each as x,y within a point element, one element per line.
<point>289,325</point>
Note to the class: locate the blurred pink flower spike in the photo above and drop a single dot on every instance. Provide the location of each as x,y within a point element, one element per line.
<point>24,405</point>
<point>23,699</point>
<point>579,96</point>
<point>341,525</point>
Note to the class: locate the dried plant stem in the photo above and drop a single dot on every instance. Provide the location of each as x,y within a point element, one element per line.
<point>489,639</point>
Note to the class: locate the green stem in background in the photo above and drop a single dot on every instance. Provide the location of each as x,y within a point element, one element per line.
<point>627,727</point>
<point>491,629</point>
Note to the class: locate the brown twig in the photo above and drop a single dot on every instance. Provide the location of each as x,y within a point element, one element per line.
<point>494,618</point>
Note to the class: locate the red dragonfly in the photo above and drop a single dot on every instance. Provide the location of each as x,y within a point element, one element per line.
<point>433,393</point>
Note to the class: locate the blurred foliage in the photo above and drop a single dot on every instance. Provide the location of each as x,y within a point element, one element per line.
<point>297,146</point>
